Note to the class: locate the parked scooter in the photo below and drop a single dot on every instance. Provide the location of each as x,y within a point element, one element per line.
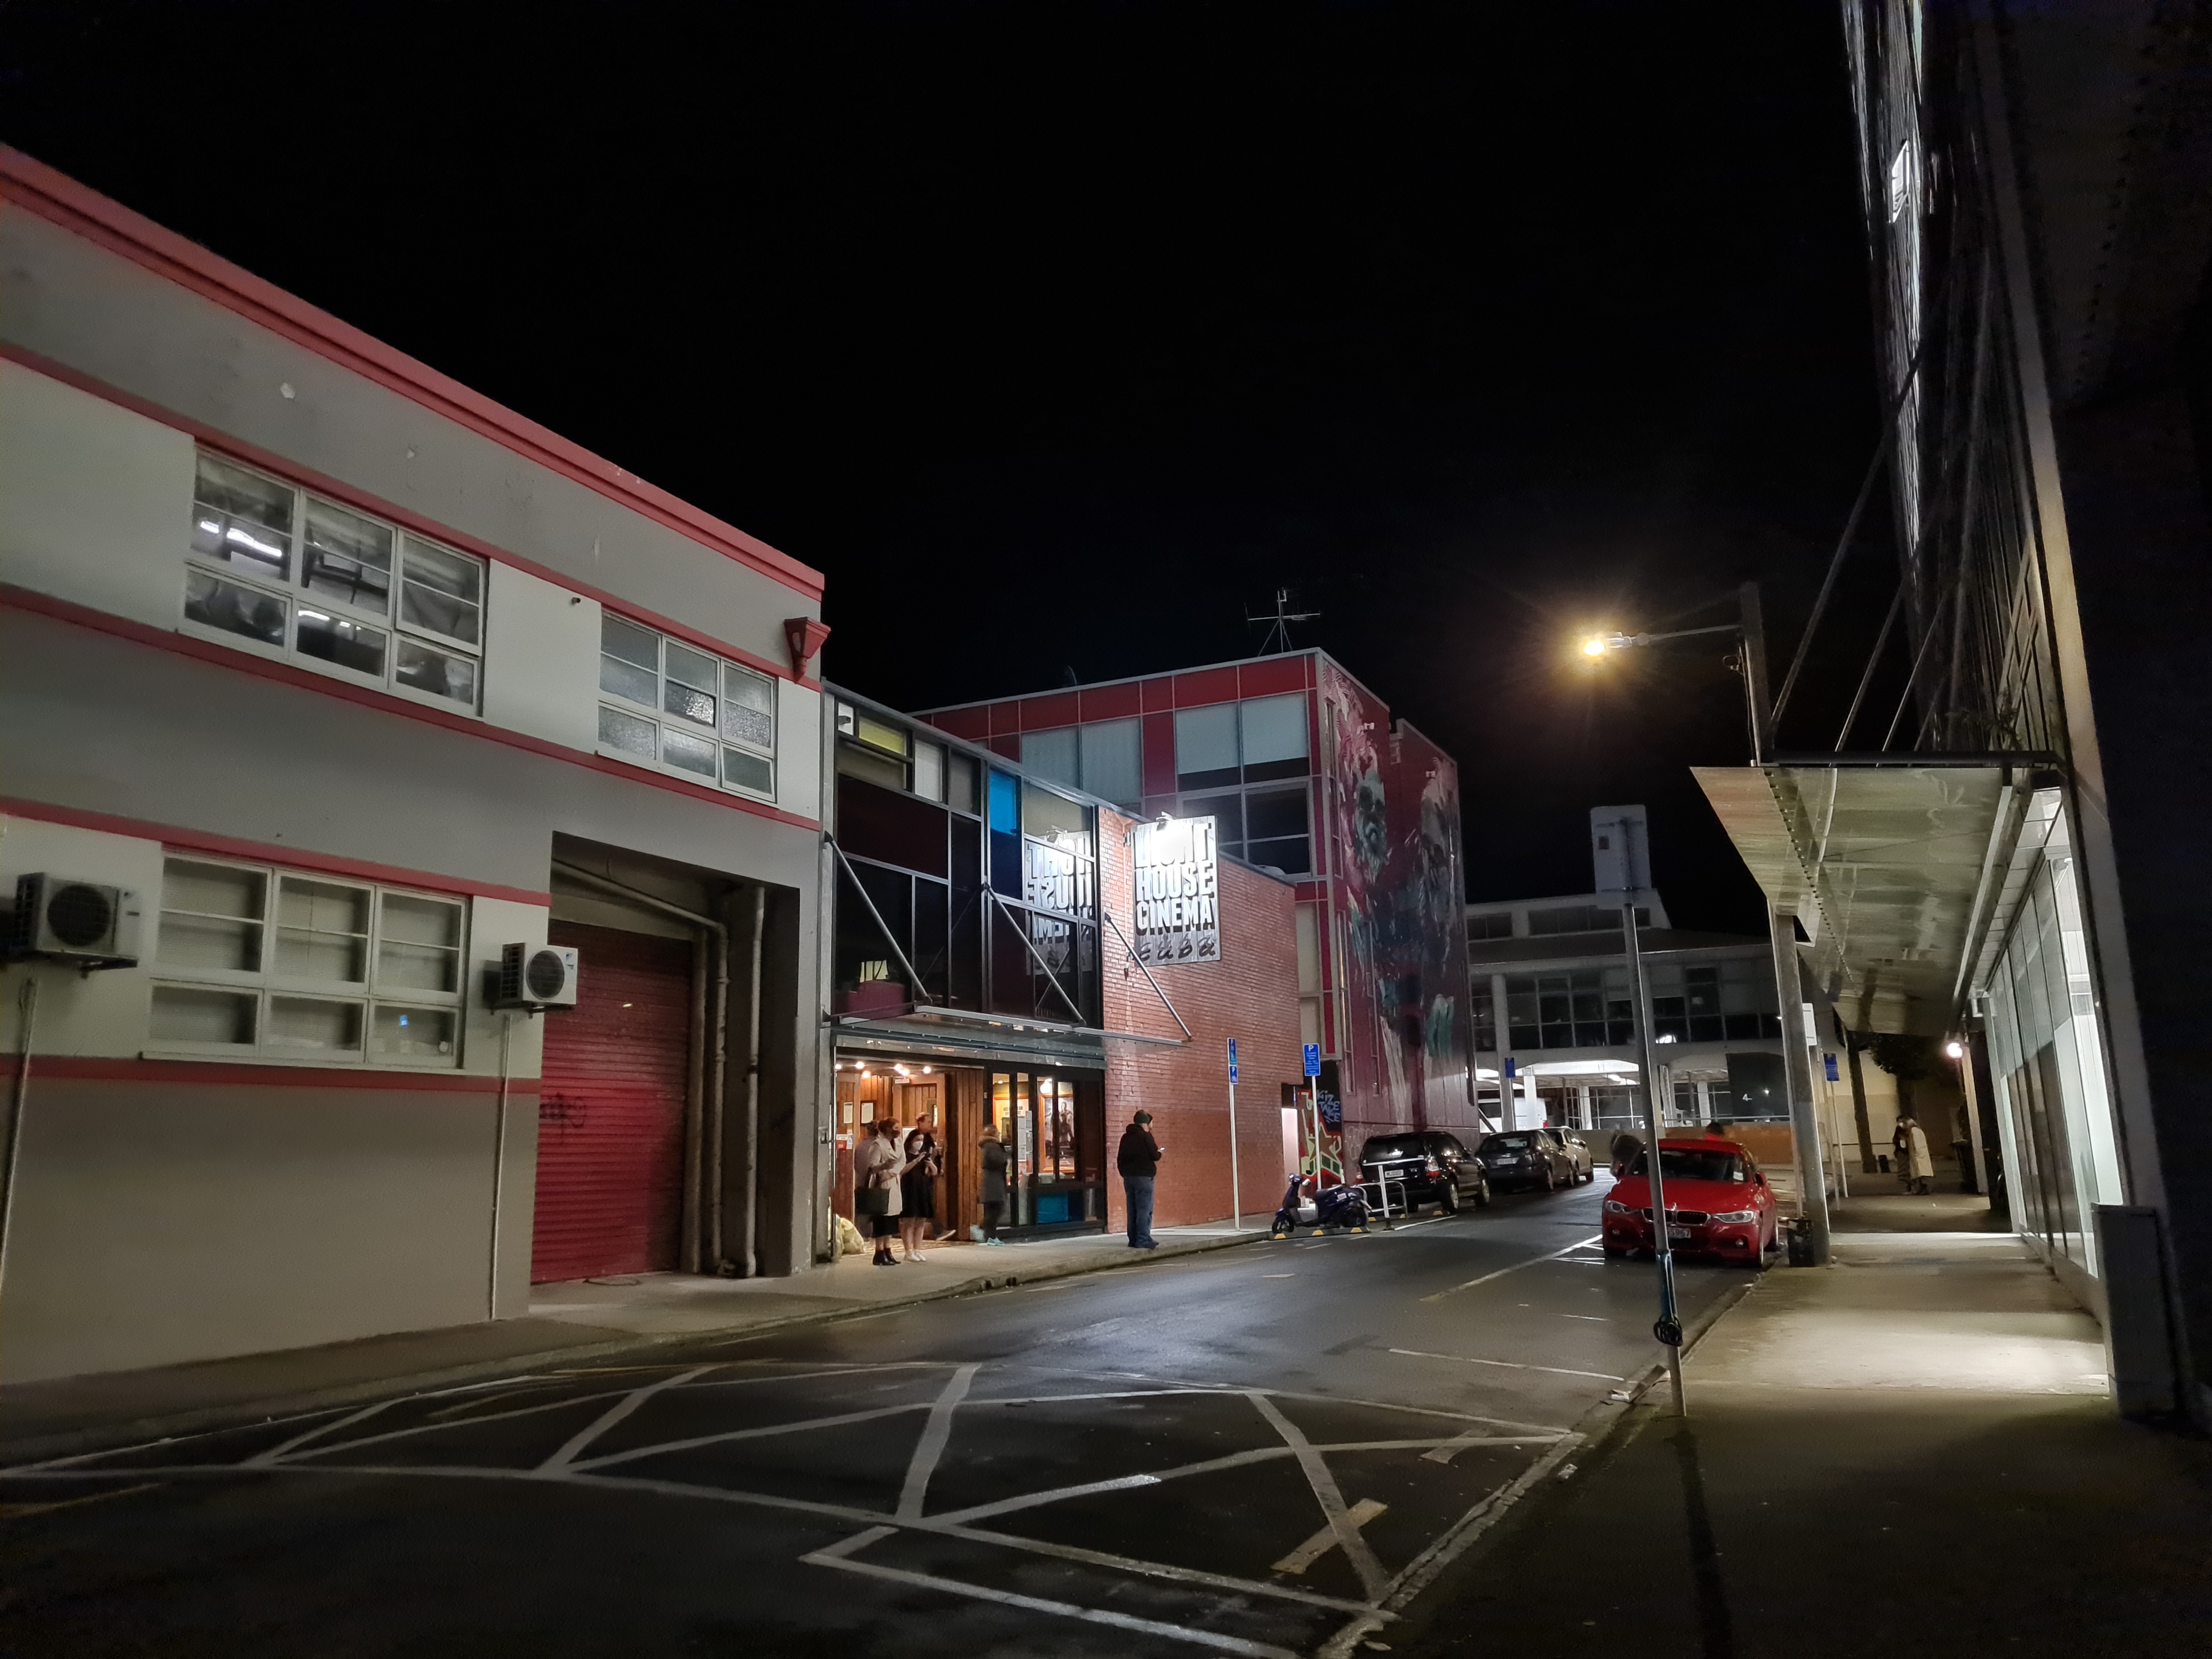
<point>1334,1207</point>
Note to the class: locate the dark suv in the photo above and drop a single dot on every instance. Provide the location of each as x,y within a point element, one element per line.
<point>1530,1157</point>
<point>1434,1166</point>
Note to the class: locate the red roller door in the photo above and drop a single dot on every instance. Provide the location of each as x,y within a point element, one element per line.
<point>611,1110</point>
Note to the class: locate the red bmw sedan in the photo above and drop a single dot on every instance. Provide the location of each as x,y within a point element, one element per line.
<point>1718,1203</point>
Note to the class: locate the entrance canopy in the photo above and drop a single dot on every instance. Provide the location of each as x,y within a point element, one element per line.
<point>1890,868</point>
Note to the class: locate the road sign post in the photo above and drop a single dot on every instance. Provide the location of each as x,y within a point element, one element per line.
<point>1313,1111</point>
<point>1236,1194</point>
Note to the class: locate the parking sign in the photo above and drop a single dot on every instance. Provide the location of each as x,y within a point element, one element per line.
<point>1313,1059</point>
<point>1233,1060</point>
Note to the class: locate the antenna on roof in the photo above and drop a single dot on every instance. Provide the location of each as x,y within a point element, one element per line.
<point>1279,621</point>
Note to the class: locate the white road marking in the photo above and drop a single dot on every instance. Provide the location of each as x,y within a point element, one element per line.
<point>1278,1275</point>
<point>1372,1579</point>
<point>1145,1568</point>
<point>305,1436</point>
<point>1508,1364</point>
<point>573,1446</point>
<point>836,1422</point>
<point>1533,1262</point>
<point>1595,1319</point>
<point>935,1434</point>
<point>25,1511</point>
<point>1205,1638</point>
<point>1325,1541</point>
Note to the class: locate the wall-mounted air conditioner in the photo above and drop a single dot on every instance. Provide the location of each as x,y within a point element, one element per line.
<point>536,976</point>
<point>87,923</point>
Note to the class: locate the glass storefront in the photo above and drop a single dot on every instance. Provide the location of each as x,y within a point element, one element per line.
<point>1055,1129</point>
<point>2055,1113</point>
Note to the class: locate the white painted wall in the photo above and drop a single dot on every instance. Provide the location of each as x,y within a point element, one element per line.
<point>799,750</point>
<point>541,659</point>
<point>102,1013</point>
<point>95,502</point>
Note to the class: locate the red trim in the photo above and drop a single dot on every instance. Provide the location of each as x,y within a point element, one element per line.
<point>1005,717</point>
<point>222,656</point>
<point>230,847</point>
<point>1207,687</point>
<point>1049,712</point>
<point>1273,677</point>
<point>1010,747</point>
<point>1157,694</point>
<point>1156,755</point>
<point>61,200</point>
<point>338,489</point>
<point>974,724</point>
<point>229,1072</point>
<point>1110,702</point>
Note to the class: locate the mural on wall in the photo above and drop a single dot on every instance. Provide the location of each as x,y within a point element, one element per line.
<point>1395,812</point>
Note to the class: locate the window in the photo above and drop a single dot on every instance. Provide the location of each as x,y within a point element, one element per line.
<point>1258,740</point>
<point>1267,826</point>
<point>1051,755</point>
<point>1112,765</point>
<point>1492,924</point>
<point>252,961</point>
<point>667,705</point>
<point>1581,919</point>
<point>282,570</point>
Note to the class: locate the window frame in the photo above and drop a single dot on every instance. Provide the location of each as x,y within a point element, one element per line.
<point>292,592</point>
<point>664,719</point>
<point>267,984</point>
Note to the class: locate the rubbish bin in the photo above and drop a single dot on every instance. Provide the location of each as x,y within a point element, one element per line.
<point>1801,1242</point>
<point>1881,1158</point>
<point>1964,1151</point>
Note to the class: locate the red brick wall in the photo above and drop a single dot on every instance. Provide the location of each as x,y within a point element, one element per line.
<point>1251,994</point>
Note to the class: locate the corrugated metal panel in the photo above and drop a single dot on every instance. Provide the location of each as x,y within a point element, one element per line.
<point>611,1115</point>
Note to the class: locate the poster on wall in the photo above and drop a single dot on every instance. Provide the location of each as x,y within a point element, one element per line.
<point>1178,892</point>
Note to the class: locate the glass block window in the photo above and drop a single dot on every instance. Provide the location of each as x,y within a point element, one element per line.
<point>256,962</point>
<point>672,706</point>
<point>278,570</point>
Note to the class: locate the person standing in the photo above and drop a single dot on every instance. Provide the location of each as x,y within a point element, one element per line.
<point>918,1191</point>
<point>1137,1158</point>
<point>1909,1143</point>
<point>993,1189</point>
<point>876,1166</point>
<point>1625,1146</point>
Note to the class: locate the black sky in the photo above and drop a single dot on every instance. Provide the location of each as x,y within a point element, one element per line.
<point>1057,334</point>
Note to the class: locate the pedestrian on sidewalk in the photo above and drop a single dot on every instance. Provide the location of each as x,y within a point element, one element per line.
<point>992,1191</point>
<point>877,1163</point>
<point>1910,1144</point>
<point>1138,1160</point>
<point>918,1190</point>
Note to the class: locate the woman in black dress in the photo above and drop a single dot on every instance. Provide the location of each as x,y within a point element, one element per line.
<point>918,1191</point>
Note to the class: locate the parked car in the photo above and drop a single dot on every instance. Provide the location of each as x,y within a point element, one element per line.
<point>1579,1149</point>
<point>1434,1167</point>
<point>1718,1204</point>
<point>1530,1157</point>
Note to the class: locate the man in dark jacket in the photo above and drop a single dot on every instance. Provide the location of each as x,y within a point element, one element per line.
<point>1138,1160</point>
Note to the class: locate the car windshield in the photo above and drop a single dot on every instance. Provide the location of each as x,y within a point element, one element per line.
<point>1383,1148</point>
<point>1506,1144</point>
<point>1693,1164</point>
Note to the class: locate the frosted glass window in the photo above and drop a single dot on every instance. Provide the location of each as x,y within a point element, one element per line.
<point>1274,729</point>
<point>315,1024</point>
<point>1051,755</point>
<point>928,771</point>
<point>412,1033</point>
<point>1205,740</point>
<point>1112,768</point>
<point>707,715</point>
<point>196,1015</point>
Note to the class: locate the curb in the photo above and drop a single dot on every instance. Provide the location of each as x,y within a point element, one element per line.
<point>70,1443</point>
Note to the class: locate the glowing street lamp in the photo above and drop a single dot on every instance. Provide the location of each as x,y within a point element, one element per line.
<point>1751,639</point>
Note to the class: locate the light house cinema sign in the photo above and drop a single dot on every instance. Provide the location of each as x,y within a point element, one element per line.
<point>1178,892</point>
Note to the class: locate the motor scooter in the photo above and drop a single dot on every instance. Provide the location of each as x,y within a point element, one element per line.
<point>1334,1207</point>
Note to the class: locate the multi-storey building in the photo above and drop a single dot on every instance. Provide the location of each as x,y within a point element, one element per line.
<point>332,678</point>
<point>2006,850</point>
<point>1303,773</point>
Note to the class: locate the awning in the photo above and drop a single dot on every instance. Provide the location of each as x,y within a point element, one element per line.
<point>1888,867</point>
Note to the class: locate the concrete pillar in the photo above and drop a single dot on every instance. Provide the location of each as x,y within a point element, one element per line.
<point>1704,1088</point>
<point>1505,1050</point>
<point>1798,1075</point>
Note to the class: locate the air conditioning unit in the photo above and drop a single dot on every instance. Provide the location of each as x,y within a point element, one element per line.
<point>84,922</point>
<point>537,977</point>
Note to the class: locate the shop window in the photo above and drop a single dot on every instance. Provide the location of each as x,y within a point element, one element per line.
<point>255,960</point>
<point>284,572</point>
<point>890,827</point>
<point>1006,826</point>
<point>671,706</point>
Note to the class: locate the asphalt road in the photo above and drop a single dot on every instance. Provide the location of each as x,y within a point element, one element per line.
<point>1264,1451</point>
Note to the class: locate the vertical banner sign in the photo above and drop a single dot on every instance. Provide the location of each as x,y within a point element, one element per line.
<point>1232,1063</point>
<point>1313,1059</point>
<point>1178,892</point>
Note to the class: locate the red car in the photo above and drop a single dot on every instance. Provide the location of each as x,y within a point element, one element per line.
<point>1718,1203</point>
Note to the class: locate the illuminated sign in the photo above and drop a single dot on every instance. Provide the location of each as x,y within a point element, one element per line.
<point>1178,892</point>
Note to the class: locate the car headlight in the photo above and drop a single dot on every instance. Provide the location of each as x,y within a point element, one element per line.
<point>1613,1208</point>
<point>1738,1216</point>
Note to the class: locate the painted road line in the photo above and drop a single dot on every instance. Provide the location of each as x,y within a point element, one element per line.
<point>1205,1638</point>
<point>1595,1319</point>
<point>1508,1364</point>
<point>1143,1569</point>
<point>1325,1541</point>
<point>346,1422</point>
<point>1328,1495</point>
<point>936,1433</point>
<point>840,1420</point>
<point>24,1512</point>
<point>1580,1243</point>
<point>574,1447</point>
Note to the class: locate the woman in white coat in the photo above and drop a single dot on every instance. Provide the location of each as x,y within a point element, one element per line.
<point>878,1163</point>
<point>1910,1146</point>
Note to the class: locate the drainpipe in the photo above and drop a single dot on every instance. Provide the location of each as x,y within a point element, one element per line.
<point>718,1025</point>
<point>752,1262</point>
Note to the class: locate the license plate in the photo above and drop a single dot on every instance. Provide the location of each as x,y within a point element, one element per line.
<point>1678,1235</point>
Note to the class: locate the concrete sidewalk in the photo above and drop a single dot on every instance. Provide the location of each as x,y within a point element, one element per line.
<point>567,1323</point>
<point>1910,1452</point>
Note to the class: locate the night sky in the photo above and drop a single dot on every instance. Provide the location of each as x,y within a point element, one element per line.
<point>1058,336</point>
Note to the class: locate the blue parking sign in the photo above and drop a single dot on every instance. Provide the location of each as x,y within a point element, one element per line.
<point>1313,1059</point>
<point>1232,1059</point>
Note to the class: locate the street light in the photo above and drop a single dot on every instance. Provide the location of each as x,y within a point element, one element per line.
<point>1751,637</point>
